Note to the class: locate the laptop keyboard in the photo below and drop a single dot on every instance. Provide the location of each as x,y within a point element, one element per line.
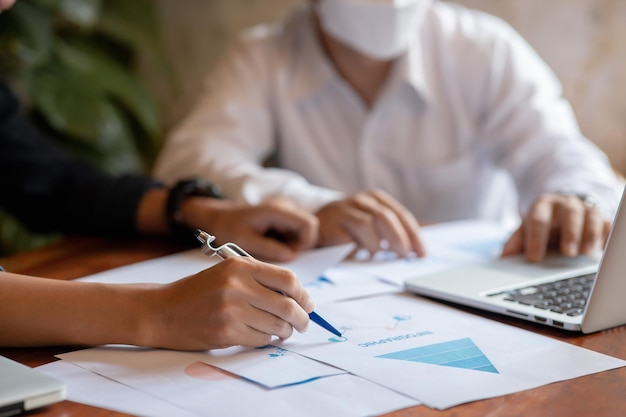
<point>567,296</point>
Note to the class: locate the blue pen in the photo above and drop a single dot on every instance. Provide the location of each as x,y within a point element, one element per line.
<point>228,250</point>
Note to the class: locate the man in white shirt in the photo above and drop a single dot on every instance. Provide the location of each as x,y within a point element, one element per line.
<point>446,109</point>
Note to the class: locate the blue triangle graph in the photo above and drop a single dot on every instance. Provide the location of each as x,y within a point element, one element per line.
<point>461,353</point>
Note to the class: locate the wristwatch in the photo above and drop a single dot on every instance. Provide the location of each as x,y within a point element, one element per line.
<point>194,187</point>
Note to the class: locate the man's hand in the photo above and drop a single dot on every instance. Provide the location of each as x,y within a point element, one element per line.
<point>369,218</point>
<point>562,222</point>
<point>276,230</point>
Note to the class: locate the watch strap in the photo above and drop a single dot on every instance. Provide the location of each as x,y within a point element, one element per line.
<point>194,187</point>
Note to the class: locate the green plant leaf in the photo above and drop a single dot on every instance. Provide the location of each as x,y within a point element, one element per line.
<point>33,37</point>
<point>84,13</point>
<point>68,104</point>
<point>84,112</point>
<point>50,5</point>
<point>14,237</point>
<point>86,95</point>
<point>85,59</point>
<point>135,23</point>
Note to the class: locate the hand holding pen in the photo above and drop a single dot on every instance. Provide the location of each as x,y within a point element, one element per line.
<point>231,250</point>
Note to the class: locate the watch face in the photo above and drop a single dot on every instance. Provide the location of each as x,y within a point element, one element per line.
<point>200,187</point>
<point>197,187</point>
<point>181,191</point>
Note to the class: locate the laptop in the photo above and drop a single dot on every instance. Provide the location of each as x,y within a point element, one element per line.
<point>581,294</point>
<point>23,388</point>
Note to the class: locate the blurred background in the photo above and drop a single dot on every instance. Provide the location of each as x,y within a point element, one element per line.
<point>109,78</point>
<point>582,40</point>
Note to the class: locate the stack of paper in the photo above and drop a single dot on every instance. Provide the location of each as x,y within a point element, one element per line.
<point>397,350</point>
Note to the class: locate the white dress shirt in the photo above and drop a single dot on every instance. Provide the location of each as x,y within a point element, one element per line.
<point>470,124</point>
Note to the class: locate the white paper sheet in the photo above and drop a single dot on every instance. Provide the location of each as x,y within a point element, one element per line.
<point>448,245</point>
<point>440,355</point>
<point>176,377</point>
<point>339,284</point>
<point>86,387</point>
<point>160,270</point>
<point>308,266</point>
<point>269,366</point>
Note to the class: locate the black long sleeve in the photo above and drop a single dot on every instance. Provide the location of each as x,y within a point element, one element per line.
<point>49,191</point>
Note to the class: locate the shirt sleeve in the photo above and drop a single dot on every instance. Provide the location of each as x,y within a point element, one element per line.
<point>230,134</point>
<point>529,129</point>
<point>49,191</point>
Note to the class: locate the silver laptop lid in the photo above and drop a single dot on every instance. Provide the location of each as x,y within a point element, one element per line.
<point>606,307</point>
<point>23,388</point>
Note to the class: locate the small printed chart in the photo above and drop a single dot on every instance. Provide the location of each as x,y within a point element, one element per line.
<point>461,353</point>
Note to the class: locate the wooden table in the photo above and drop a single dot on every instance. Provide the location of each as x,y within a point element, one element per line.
<point>596,395</point>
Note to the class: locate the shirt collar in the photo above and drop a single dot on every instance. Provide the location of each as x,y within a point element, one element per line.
<point>312,68</point>
<point>410,69</point>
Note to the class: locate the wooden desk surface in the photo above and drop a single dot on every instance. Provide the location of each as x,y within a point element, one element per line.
<point>597,395</point>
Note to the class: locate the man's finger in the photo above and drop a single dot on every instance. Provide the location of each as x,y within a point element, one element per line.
<point>515,244</point>
<point>593,231</point>
<point>293,227</point>
<point>409,223</point>
<point>572,219</point>
<point>360,225</point>
<point>388,225</point>
<point>537,229</point>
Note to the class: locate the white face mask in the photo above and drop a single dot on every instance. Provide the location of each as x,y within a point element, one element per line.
<point>380,29</point>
